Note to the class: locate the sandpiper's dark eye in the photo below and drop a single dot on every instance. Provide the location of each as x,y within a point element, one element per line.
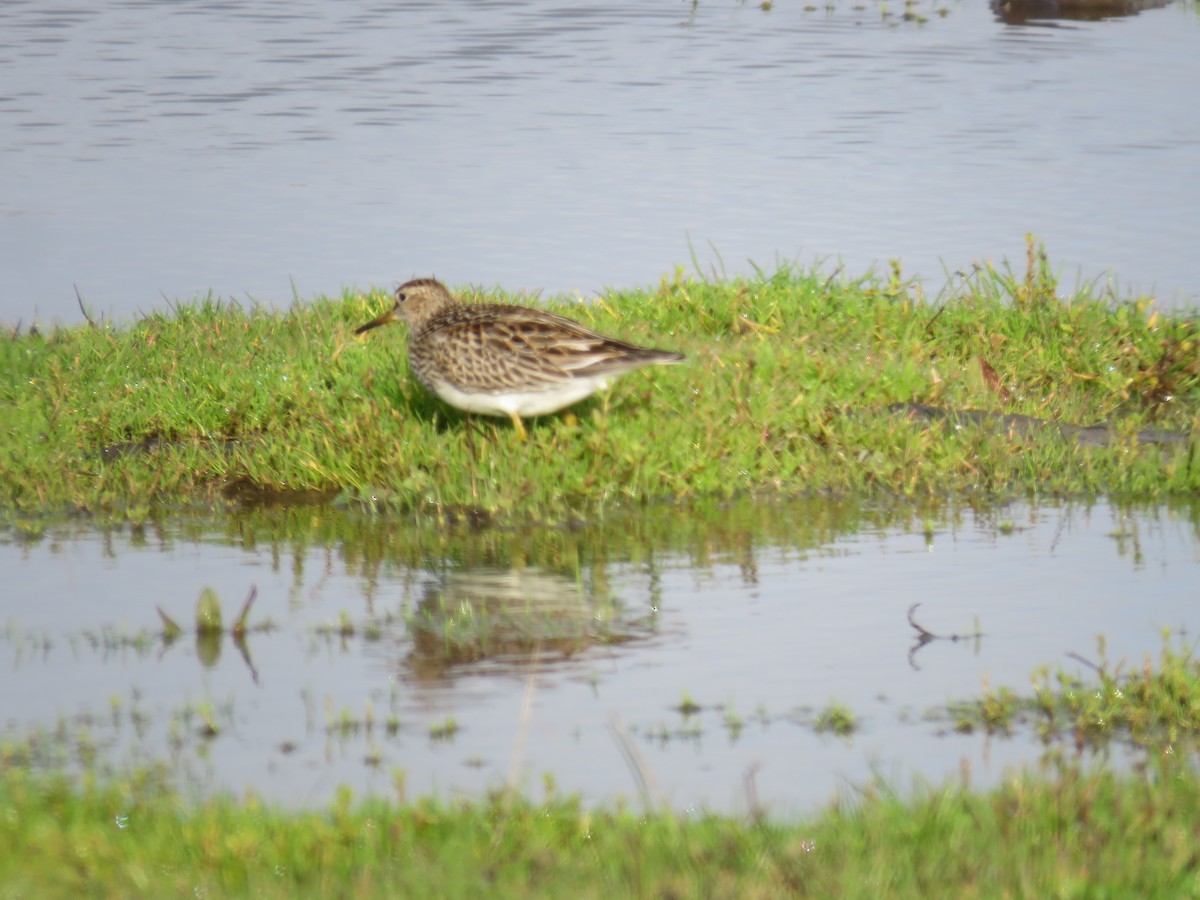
<point>400,297</point>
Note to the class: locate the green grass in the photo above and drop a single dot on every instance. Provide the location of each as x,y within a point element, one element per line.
<point>784,394</point>
<point>1072,834</point>
<point>836,719</point>
<point>784,391</point>
<point>1073,828</point>
<point>1146,707</point>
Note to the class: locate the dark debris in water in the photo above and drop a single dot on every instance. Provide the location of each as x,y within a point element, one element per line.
<point>1099,435</point>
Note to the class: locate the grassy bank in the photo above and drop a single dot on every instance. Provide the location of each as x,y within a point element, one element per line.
<point>1074,829</point>
<point>1074,836</point>
<point>785,390</point>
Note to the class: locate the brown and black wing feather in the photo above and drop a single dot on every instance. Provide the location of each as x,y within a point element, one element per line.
<point>494,348</point>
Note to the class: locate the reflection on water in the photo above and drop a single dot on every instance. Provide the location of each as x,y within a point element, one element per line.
<point>278,150</point>
<point>1020,12</point>
<point>377,646</point>
<point>509,616</point>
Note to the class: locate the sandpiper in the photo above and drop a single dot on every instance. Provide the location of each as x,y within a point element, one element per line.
<point>503,360</point>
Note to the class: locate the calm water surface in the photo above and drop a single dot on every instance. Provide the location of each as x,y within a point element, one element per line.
<point>761,614</point>
<point>156,150</point>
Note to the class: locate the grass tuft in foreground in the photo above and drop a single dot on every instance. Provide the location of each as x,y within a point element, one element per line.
<point>1073,834</point>
<point>786,389</point>
<point>1074,829</point>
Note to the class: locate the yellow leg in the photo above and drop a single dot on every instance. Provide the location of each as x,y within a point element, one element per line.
<point>520,429</point>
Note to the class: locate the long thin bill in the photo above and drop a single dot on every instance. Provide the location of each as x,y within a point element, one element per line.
<point>375,323</point>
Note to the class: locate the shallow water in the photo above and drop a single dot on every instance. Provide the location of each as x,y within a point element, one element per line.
<point>761,614</point>
<point>157,150</point>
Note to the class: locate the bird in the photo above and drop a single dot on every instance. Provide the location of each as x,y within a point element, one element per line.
<point>505,360</point>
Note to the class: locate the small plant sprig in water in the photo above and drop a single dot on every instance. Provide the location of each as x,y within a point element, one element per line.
<point>687,706</point>
<point>210,629</point>
<point>733,721</point>
<point>836,719</point>
<point>1145,707</point>
<point>1149,707</point>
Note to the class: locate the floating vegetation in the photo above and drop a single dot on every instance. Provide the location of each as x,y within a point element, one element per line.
<point>836,719</point>
<point>687,706</point>
<point>208,613</point>
<point>444,730</point>
<point>1140,708</point>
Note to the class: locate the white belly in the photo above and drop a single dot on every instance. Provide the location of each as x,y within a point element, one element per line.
<point>521,403</point>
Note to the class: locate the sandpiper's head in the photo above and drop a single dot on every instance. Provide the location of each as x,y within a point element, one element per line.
<point>416,302</point>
